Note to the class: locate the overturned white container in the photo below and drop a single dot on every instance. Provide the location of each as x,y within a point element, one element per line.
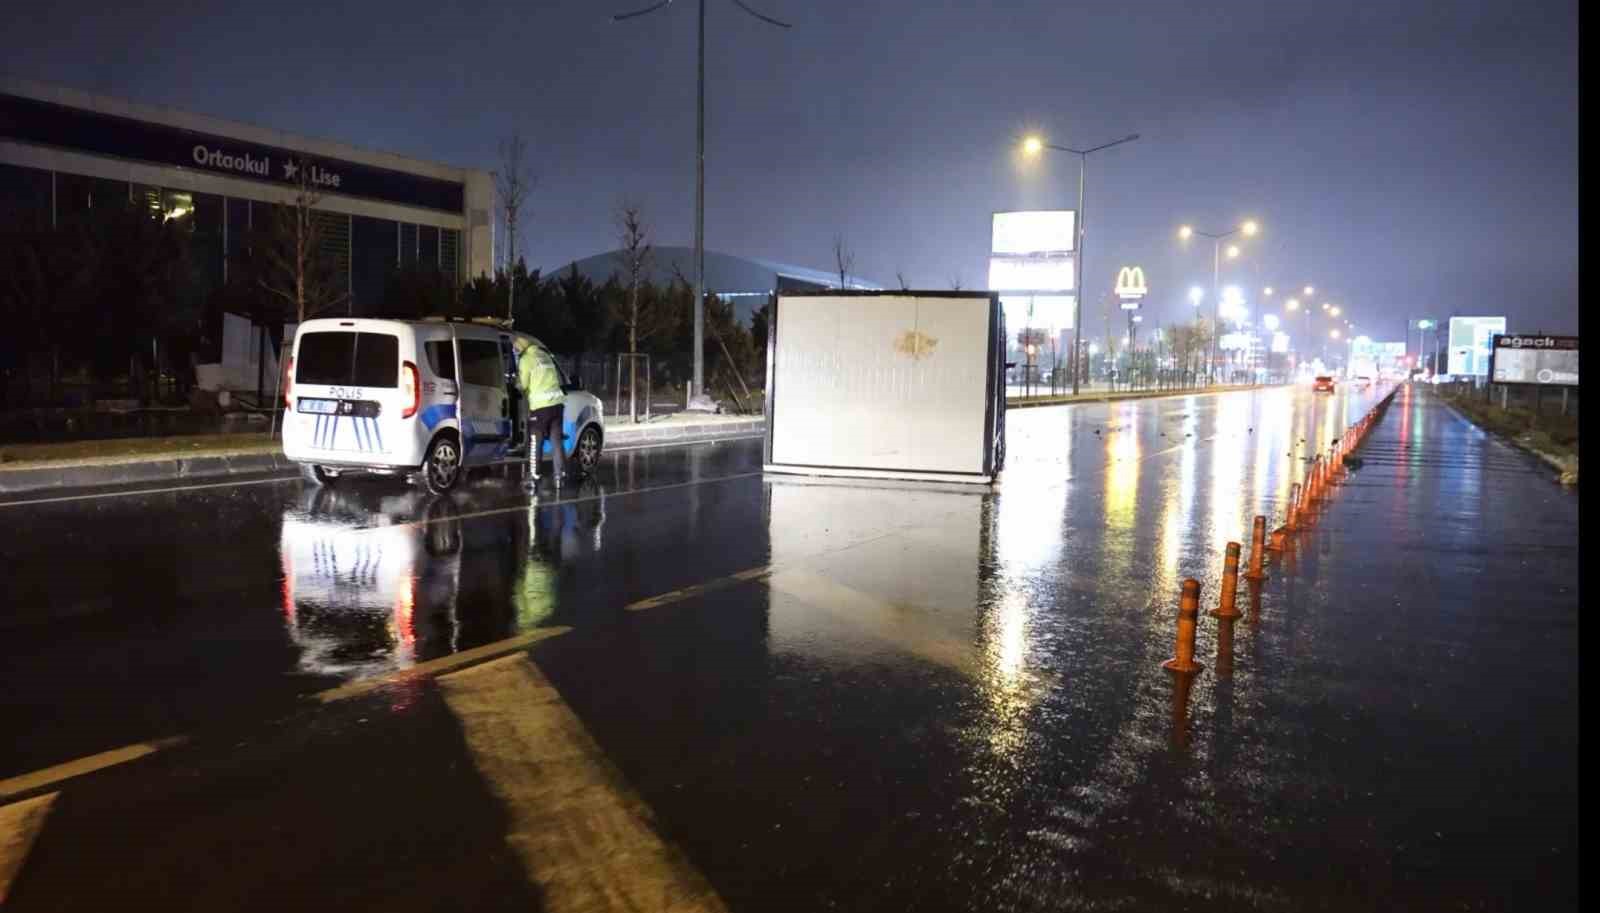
<point>887,385</point>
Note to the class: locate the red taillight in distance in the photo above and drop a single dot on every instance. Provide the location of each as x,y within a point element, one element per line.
<point>411,385</point>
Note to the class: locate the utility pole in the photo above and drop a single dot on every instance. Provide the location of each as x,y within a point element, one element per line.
<point>698,385</point>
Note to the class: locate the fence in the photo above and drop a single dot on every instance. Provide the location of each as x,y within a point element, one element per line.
<point>658,383</point>
<point>1535,398</point>
<point>1026,381</point>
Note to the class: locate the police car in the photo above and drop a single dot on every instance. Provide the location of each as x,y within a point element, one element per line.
<point>423,399</point>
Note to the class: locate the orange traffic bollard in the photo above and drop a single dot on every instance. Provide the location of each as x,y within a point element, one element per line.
<point>1258,547</point>
<point>1225,648</point>
<point>1188,614</point>
<point>1293,521</point>
<point>1227,606</point>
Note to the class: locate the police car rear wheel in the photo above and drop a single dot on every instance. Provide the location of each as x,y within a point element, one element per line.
<point>316,475</point>
<point>587,451</point>
<point>443,466</point>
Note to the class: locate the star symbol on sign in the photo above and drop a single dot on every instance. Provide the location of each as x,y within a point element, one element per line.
<point>289,170</point>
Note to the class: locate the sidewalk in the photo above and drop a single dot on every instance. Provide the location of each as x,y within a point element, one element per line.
<point>121,461</point>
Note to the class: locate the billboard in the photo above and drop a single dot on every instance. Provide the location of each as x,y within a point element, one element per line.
<point>1033,232</point>
<point>1028,274</point>
<point>1032,266</point>
<point>1470,340</point>
<point>1549,360</point>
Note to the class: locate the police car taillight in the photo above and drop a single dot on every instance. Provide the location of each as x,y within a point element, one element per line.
<point>410,384</point>
<point>288,382</point>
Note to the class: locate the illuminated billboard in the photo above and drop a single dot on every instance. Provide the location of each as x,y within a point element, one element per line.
<point>1032,266</point>
<point>1470,344</point>
<point>1034,232</point>
<point>1549,360</point>
<point>1027,274</point>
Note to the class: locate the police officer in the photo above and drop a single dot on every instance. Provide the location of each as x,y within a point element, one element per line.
<point>541,384</point>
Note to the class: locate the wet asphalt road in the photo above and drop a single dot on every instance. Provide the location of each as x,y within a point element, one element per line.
<point>915,698</point>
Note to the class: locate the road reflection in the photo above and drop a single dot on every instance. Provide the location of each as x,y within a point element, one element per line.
<point>377,579</point>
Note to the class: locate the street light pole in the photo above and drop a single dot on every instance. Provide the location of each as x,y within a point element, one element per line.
<point>1034,144</point>
<point>698,381</point>
<point>700,210</point>
<point>1077,268</point>
<point>1248,228</point>
<point>1216,304</point>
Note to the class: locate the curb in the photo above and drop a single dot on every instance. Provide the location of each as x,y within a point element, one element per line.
<point>222,465</point>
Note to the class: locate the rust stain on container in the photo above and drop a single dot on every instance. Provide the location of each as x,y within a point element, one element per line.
<point>917,345</point>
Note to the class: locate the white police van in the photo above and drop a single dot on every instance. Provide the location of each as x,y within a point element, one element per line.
<point>425,399</point>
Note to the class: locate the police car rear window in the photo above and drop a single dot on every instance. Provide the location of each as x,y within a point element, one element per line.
<point>345,358</point>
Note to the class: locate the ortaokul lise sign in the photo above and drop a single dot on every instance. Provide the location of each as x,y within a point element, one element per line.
<point>244,163</point>
<point>43,123</point>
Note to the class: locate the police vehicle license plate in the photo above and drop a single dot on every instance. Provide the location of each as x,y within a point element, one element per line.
<point>320,406</point>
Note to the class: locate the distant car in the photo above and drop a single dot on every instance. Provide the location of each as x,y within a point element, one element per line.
<point>1363,381</point>
<point>1323,384</point>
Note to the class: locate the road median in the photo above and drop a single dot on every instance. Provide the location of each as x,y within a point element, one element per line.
<point>1026,402</point>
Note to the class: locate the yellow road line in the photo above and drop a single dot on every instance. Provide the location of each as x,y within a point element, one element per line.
<point>699,589</point>
<point>77,768</point>
<point>441,665</point>
<point>20,824</point>
<point>583,836</point>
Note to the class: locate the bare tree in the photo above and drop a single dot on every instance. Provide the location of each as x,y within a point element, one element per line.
<point>640,323</point>
<point>513,184</point>
<point>955,282</point>
<point>297,272</point>
<point>844,258</point>
<point>636,253</point>
<point>900,277</point>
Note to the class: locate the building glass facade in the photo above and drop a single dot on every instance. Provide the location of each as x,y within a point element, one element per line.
<point>367,251</point>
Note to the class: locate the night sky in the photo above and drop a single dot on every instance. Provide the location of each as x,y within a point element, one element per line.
<point>1407,158</point>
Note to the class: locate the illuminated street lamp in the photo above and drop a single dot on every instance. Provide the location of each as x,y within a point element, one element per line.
<point>1035,145</point>
<point>1196,293</point>
<point>1309,291</point>
<point>1248,228</point>
<point>1333,312</point>
<point>1333,334</point>
<point>1267,292</point>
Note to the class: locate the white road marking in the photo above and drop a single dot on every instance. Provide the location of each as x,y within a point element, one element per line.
<point>583,836</point>
<point>20,824</point>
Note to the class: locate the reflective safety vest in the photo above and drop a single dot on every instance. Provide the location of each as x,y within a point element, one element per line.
<point>541,382</point>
